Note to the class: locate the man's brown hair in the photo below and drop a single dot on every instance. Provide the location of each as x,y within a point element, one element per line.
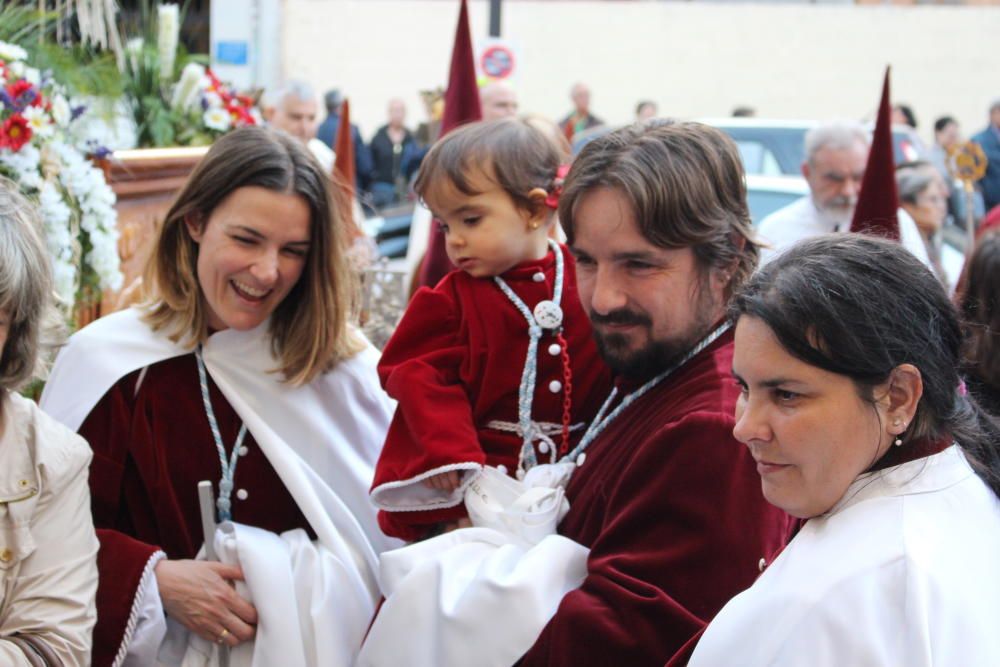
<point>685,183</point>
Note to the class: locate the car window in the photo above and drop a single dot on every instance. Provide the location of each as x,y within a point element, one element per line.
<point>763,203</point>
<point>758,158</point>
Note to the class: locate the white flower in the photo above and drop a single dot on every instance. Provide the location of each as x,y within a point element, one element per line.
<point>61,112</point>
<point>217,119</point>
<point>39,121</point>
<point>186,91</point>
<point>213,100</point>
<point>10,52</point>
<point>17,69</point>
<point>168,20</point>
<point>133,49</point>
<point>32,75</point>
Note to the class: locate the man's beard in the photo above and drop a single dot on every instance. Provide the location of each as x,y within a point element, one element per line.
<point>655,356</point>
<point>839,210</point>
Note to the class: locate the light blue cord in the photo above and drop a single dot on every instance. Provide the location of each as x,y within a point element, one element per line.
<point>223,502</point>
<point>601,422</point>
<point>529,376</point>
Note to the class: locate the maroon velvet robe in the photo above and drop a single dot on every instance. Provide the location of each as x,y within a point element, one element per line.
<point>455,363</point>
<point>151,448</point>
<point>672,510</point>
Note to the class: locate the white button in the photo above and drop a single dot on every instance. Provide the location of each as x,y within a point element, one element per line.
<point>761,564</point>
<point>538,277</point>
<point>242,494</point>
<point>543,447</point>
<point>581,458</point>
<point>502,468</point>
<point>244,450</point>
<point>555,349</point>
<point>555,386</point>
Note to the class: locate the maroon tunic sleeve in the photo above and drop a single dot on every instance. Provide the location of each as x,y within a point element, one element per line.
<point>433,425</point>
<point>677,533</point>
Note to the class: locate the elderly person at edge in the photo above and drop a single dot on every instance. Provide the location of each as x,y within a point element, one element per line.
<point>836,157</point>
<point>847,356</point>
<point>923,194</point>
<point>48,551</point>
<point>241,369</point>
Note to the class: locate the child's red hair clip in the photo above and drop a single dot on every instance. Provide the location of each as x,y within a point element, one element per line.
<point>552,200</point>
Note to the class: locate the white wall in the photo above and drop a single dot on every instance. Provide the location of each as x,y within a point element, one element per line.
<point>694,59</point>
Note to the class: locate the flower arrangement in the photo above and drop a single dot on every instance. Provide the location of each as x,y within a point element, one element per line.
<point>208,107</point>
<point>41,153</point>
<point>192,109</point>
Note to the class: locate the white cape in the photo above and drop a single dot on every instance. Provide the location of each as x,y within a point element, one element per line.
<point>322,438</point>
<point>481,595</point>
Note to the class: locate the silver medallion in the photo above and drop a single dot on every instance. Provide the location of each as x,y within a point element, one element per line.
<point>548,314</point>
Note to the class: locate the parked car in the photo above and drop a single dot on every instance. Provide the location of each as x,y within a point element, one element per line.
<point>772,146</point>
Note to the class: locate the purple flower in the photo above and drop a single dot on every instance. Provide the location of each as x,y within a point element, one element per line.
<point>76,112</point>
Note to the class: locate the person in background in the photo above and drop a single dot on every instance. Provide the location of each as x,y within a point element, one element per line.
<point>924,195</point>
<point>847,358</point>
<point>902,114</point>
<point>243,369</point>
<point>980,308</point>
<point>946,137</point>
<point>390,143</point>
<point>291,108</point>
<point>497,100</point>
<point>645,110</point>
<point>580,118</point>
<point>989,139</point>
<point>48,550</point>
<point>836,158</point>
<point>327,133</point>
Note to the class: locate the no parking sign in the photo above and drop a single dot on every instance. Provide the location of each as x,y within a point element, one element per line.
<point>498,61</point>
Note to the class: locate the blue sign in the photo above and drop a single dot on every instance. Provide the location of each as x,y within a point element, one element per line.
<point>231,53</point>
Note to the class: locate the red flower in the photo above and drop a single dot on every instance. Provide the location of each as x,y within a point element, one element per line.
<point>240,116</point>
<point>15,132</point>
<point>18,88</point>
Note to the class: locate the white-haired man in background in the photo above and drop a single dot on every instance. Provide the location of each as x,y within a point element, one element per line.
<point>836,156</point>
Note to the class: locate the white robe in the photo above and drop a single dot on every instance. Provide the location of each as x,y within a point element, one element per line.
<point>901,572</point>
<point>321,438</point>
<point>802,220</point>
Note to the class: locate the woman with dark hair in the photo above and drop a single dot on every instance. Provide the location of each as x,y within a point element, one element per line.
<point>980,305</point>
<point>242,369</point>
<point>847,355</point>
<point>48,551</point>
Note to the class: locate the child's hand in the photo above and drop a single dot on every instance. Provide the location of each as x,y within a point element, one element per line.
<point>445,481</point>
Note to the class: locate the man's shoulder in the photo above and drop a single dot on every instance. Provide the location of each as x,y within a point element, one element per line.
<point>798,211</point>
<point>986,137</point>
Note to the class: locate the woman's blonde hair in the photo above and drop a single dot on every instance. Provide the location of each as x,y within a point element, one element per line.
<point>309,328</point>
<point>34,325</point>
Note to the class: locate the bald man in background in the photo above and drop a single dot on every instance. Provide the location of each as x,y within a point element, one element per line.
<point>498,100</point>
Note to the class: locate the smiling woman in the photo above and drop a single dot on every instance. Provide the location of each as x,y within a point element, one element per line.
<point>240,369</point>
<point>847,355</point>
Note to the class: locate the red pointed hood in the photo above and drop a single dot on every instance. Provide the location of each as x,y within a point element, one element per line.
<point>461,105</point>
<point>878,202</point>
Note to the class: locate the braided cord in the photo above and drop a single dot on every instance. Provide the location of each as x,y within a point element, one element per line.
<point>529,376</point>
<point>223,503</point>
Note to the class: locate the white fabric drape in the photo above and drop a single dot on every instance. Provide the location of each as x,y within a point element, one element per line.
<point>481,595</point>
